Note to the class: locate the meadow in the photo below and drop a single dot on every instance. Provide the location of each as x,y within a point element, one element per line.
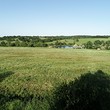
<point>82,40</point>
<point>37,71</point>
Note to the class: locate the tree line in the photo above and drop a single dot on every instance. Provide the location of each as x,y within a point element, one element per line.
<point>98,45</point>
<point>28,41</point>
<point>53,41</point>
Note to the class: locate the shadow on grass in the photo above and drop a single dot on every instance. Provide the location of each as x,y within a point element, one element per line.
<point>4,75</point>
<point>10,100</point>
<point>88,92</point>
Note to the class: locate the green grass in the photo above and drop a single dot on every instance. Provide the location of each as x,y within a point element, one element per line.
<point>40,70</point>
<point>46,67</point>
<point>82,40</point>
<point>85,40</point>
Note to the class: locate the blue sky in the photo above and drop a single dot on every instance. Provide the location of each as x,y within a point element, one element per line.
<point>54,17</point>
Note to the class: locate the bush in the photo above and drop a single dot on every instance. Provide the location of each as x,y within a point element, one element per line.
<point>88,92</point>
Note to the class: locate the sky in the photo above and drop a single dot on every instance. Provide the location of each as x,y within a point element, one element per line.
<point>54,17</point>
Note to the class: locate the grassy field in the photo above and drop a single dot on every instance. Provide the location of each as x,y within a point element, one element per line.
<point>82,40</point>
<point>40,70</point>
<point>44,67</point>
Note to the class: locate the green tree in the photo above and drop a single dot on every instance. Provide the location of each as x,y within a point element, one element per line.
<point>3,43</point>
<point>107,45</point>
<point>97,44</point>
<point>89,45</point>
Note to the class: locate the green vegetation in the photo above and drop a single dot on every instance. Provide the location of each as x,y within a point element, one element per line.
<point>77,42</point>
<point>28,76</point>
<point>88,92</point>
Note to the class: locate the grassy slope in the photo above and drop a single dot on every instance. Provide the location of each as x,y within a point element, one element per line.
<point>82,40</point>
<point>40,69</point>
<point>85,40</point>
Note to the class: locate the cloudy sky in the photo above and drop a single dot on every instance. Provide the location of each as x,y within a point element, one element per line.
<point>54,17</point>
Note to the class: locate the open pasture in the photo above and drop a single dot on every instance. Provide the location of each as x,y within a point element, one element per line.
<point>37,71</point>
<point>43,68</point>
<point>83,40</point>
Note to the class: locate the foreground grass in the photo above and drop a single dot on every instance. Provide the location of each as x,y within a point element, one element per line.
<point>40,70</point>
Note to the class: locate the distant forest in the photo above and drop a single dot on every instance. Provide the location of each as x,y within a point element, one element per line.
<point>54,41</point>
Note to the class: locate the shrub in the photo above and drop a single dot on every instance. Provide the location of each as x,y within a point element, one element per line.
<point>88,92</point>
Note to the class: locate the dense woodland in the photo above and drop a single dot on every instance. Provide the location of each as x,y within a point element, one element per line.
<point>54,41</point>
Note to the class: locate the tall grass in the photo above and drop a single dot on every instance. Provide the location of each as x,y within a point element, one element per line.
<point>37,71</point>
